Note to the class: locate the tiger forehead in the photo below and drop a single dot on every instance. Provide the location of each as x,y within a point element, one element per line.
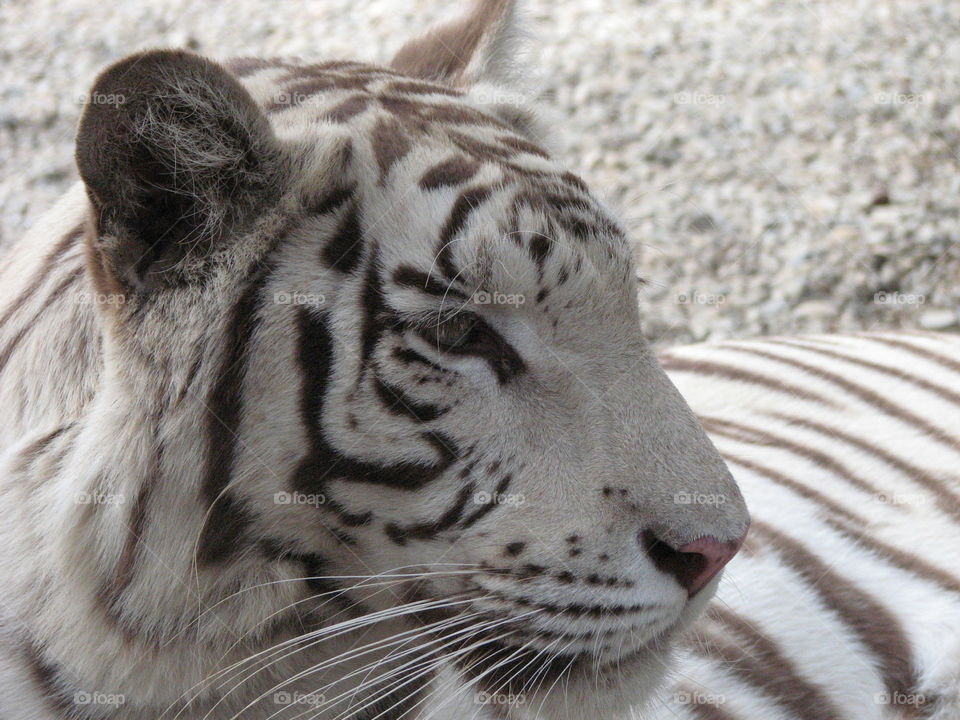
<point>343,91</point>
<point>384,119</point>
<point>397,114</point>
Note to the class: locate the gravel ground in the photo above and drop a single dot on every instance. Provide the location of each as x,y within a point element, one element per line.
<point>784,165</point>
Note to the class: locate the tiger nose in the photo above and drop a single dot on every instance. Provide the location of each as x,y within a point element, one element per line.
<point>694,564</point>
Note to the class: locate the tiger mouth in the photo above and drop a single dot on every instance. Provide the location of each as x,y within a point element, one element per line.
<point>519,661</point>
<point>500,655</point>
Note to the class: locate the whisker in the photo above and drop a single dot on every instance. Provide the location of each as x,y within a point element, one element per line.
<point>392,613</point>
<point>440,661</point>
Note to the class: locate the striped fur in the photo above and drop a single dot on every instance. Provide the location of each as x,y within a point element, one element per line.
<point>846,600</point>
<point>326,397</point>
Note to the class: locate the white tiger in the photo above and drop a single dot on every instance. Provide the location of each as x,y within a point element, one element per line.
<point>325,396</point>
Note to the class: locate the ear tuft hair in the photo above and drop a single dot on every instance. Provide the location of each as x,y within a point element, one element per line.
<point>175,155</point>
<point>480,46</point>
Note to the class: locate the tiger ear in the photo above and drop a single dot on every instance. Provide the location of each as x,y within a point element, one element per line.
<point>481,46</point>
<point>175,156</point>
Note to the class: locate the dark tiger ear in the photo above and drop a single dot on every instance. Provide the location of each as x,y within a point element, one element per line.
<point>175,155</point>
<point>479,47</point>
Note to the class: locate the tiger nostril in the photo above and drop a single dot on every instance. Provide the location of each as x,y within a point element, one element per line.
<point>693,564</point>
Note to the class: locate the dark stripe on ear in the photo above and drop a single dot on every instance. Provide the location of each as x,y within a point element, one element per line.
<point>410,277</point>
<point>484,151</point>
<point>427,531</point>
<point>345,249</point>
<point>399,403</point>
<point>228,517</point>
<point>569,178</point>
<point>468,200</point>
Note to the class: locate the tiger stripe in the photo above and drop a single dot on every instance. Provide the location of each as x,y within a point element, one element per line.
<point>882,490</point>
<point>864,393</point>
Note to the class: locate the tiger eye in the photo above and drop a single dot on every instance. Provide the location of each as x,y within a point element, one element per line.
<point>452,332</point>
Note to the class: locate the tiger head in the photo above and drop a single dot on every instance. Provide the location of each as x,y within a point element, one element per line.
<point>402,341</point>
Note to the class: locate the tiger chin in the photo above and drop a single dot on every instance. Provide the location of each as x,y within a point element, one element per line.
<point>325,396</point>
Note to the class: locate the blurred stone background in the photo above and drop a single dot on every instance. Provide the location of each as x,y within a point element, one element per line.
<point>784,166</point>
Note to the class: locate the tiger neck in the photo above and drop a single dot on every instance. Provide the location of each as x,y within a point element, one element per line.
<point>113,512</point>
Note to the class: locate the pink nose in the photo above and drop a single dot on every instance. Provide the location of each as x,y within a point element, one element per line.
<point>692,565</point>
